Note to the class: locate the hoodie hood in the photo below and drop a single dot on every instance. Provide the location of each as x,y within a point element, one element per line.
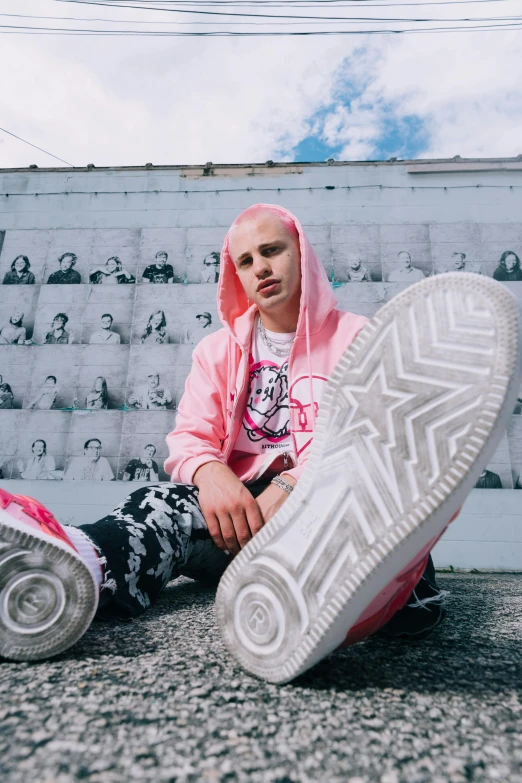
<point>317,297</point>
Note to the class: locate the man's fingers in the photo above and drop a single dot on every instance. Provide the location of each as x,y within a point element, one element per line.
<point>254,518</point>
<point>215,531</point>
<point>229,534</point>
<point>241,527</point>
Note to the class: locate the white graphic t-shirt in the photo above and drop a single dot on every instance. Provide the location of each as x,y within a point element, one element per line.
<point>266,421</point>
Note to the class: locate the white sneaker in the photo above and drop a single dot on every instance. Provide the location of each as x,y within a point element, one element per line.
<point>410,417</point>
<point>48,596</point>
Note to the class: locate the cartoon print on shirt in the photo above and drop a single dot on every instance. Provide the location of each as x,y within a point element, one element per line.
<point>267,397</point>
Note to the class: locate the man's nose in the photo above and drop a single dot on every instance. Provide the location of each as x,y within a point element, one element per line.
<point>261,265</point>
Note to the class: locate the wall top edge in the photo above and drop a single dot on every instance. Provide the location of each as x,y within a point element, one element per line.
<point>452,164</point>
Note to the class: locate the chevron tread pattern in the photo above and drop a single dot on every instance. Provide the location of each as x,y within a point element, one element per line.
<point>408,420</point>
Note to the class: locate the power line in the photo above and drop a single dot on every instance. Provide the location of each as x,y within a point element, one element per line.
<point>212,13</point>
<point>273,3</point>
<point>9,30</point>
<point>273,189</point>
<point>235,23</point>
<point>36,147</point>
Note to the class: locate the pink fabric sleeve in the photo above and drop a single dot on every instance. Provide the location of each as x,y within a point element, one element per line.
<point>200,428</point>
<point>298,470</point>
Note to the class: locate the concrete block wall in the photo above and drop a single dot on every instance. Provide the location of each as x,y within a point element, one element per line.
<point>360,218</point>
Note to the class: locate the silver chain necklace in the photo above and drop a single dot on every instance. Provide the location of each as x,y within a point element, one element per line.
<point>280,348</point>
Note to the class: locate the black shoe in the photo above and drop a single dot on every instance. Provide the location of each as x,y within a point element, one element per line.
<point>423,611</point>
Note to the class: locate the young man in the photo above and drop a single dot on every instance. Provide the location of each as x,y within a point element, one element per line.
<point>318,457</point>
<point>405,272</point>
<point>105,335</point>
<point>58,334</point>
<point>92,466</point>
<point>142,468</point>
<point>160,271</point>
<point>151,396</point>
<point>193,334</point>
<point>66,275</point>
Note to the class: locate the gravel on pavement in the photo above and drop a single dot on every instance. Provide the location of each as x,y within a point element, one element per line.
<point>159,699</point>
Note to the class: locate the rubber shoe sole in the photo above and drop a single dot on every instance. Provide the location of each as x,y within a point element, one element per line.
<point>48,596</point>
<point>410,417</point>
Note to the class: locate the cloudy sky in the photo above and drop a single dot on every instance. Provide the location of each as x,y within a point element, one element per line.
<point>129,100</point>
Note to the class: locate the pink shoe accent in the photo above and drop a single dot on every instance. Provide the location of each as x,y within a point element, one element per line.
<point>393,597</point>
<point>33,514</point>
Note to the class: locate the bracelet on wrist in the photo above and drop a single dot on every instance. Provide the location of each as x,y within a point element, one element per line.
<point>282,484</point>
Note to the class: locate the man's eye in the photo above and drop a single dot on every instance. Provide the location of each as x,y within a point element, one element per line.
<point>245,262</point>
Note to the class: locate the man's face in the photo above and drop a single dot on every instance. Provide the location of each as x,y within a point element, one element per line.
<point>58,323</point>
<point>17,318</point>
<point>93,450</point>
<point>510,262</point>
<point>161,261</point>
<point>458,261</point>
<point>153,381</point>
<point>149,452</point>
<point>267,260</point>
<point>405,260</point>
<point>50,383</point>
<point>66,263</point>
<point>106,322</point>
<point>38,448</point>
<point>354,262</point>
<point>203,321</point>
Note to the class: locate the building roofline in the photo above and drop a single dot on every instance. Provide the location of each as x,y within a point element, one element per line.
<point>212,168</point>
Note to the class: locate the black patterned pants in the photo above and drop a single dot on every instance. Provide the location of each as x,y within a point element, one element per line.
<point>159,533</point>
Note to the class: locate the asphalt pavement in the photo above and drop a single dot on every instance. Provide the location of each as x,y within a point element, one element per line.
<point>159,699</point>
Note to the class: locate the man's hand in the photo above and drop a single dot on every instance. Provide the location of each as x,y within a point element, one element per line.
<point>231,513</point>
<point>272,498</point>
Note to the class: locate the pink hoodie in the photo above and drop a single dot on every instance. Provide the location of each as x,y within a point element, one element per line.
<point>210,412</point>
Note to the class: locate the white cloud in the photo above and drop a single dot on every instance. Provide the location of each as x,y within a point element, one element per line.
<point>467,90</point>
<point>128,101</point>
<point>114,101</point>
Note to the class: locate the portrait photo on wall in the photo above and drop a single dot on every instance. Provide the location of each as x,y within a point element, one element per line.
<point>59,314</point>
<point>143,446</point>
<point>9,429</point>
<point>355,265</point>
<point>154,331</point>
<point>463,254</point>
<point>17,314</point>
<point>151,392</point>
<point>508,268</point>
<point>497,474</point>
<point>112,272</point>
<point>198,325</point>
<point>210,267</point>
<point>102,377</point>
<point>107,316</point>
<point>157,376</point>
<point>15,371</point>
<point>160,270</point>
<point>66,271</point>
<point>19,272</point>
<point>22,257</point>
<point>42,445</point>
<point>406,264</point>
<point>93,446</point>
<point>53,377</point>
